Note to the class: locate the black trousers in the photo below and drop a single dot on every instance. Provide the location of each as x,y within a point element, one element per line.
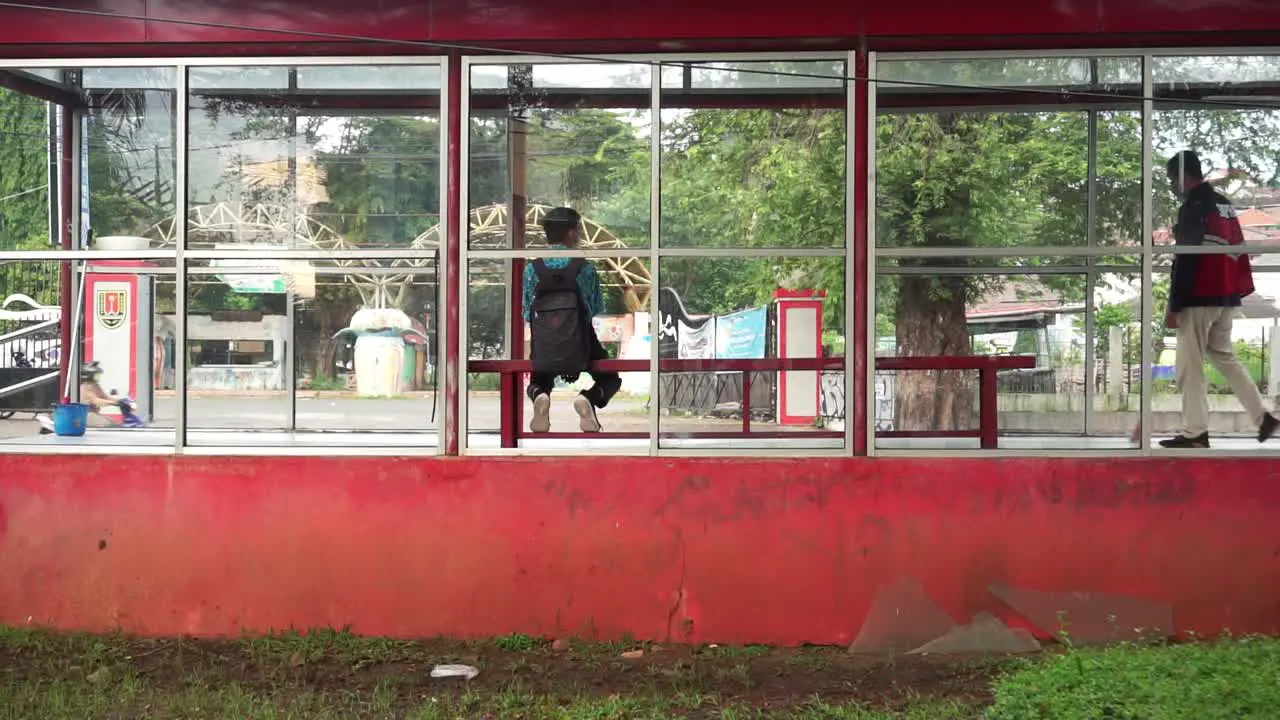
<point>606,384</point>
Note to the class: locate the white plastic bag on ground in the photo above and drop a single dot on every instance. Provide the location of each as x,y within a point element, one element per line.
<point>465,672</point>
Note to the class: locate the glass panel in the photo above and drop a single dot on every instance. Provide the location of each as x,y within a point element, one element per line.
<point>239,78</point>
<point>761,178</point>
<point>1222,70</point>
<point>1021,166</point>
<point>125,330</point>
<point>29,142</point>
<point>286,175</point>
<point>593,75</point>
<point>366,356</point>
<point>131,154</point>
<point>54,75</point>
<point>1223,108</point>
<point>366,78</point>
<point>1231,427</point>
<point>125,162</point>
<point>1111,75</point>
<point>237,339</point>
<point>31,353</point>
<point>1077,390</point>
<point>359,340</point>
<point>770,75</point>
<point>763,309</point>
<point>495,287</point>
<point>129,78</point>
<point>538,150</point>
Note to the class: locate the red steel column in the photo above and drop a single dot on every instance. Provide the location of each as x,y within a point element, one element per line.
<point>453,362</point>
<point>860,176</point>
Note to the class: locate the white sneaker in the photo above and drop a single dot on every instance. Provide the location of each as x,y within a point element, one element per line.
<point>587,419</point>
<point>541,421</point>
<point>46,424</point>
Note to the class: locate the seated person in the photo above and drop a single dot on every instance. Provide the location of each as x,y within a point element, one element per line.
<point>91,394</point>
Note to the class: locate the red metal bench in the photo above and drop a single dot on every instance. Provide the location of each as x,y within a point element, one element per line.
<point>986,365</point>
<point>988,432</point>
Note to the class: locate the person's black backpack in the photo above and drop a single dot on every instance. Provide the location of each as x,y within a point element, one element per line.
<point>559,321</point>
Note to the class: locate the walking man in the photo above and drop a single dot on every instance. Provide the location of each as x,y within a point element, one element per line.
<point>1206,294</point>
<point>561,296</point>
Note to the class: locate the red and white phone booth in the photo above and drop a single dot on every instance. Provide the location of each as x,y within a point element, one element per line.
<point>799,335</point>
<point>117,329</point>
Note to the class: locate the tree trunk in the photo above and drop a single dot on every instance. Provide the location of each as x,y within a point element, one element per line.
<point>931,321</point>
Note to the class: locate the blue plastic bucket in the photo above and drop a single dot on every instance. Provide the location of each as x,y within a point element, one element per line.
<point>70,419</point>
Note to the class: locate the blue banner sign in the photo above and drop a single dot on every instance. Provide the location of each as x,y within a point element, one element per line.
<point>741,336</point>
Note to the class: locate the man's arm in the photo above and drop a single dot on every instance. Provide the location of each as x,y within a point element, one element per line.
<point>530,287</point>
<point>589,287</point>
<point>1188,231</point>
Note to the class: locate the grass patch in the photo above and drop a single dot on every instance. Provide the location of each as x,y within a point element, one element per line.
<point>1228,679</point>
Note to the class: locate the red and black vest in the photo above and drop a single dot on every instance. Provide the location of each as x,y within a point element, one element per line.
<point>1207,218</point>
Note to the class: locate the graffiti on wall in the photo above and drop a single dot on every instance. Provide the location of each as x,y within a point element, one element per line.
<point>833,398</point>
<point>884,401</point>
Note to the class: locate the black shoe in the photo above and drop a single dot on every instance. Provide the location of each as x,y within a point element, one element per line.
<point>1187,441</point>
<point>1267,427</point>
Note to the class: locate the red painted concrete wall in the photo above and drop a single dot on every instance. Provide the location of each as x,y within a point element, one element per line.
<point>775,551</point>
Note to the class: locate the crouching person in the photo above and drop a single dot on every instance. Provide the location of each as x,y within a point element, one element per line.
<point>561,296</point>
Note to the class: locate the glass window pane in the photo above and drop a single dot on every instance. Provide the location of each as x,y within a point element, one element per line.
<point>1074,335</point>
<point>761,177</point>
<point>270,170</point>
<point>1110,75</point>
<point>128,78</point>
<point>1216,69</point>
<point>1008,168</point>
<point>238,78</point>
<point>365,78</point>
<point>592,75</point>
<point>497,402</point>
<point>761,310</point>
<point>285,348</point>
<point>125,164</point>
<point>534,149</point>
<point>126,332</point>
<point>756,75</point>
<point>1224,109</point>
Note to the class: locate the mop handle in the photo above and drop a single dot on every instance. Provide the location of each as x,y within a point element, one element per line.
<point>75,330</point>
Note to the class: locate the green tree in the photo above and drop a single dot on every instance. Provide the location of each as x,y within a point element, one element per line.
<point>24,183</point>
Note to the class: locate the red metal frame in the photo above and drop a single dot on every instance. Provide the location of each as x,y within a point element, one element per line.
<point>889,99</point>
<point>32,88</point>
<point>861,274</point>
<point>453,255</point>
<point>551,25</point>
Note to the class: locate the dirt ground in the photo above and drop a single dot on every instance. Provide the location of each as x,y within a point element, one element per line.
<point>336,663</point>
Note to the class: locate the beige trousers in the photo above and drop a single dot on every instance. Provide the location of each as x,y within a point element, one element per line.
<point>1204,333</point>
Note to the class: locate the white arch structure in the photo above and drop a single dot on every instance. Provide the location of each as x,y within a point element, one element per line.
<point>281,226</point>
